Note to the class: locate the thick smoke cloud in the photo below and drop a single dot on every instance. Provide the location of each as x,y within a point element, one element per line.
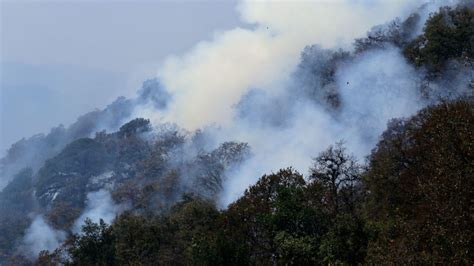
<point>374,88</point>
<point>210,79</point>
<point>213,86</point>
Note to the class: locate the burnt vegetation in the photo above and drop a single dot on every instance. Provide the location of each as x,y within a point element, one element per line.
<point>408,202</point>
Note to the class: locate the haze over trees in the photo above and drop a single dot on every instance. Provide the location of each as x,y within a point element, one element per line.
<point>145,194</point>
<point>409,205</point>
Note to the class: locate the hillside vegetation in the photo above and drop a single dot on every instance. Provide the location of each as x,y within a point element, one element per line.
<point>408,202</point>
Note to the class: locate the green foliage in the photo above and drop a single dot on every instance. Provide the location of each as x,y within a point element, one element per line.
<point>411,207</point>
<point>16,201</point>
<point>447,35</point>
<point>70,171</point>
<point>209,167</point>
<point>345,242</point>
<point>419,184</point>
<point>17,195</point>
<point>62,215</point>
<point>395,33</point>
<point>11,226</point>
<point>339,173</point>
<point>134,127</point>
<point>138,239</point>
<point>83,156</point>
<point>293,250</point>
<point>94,246</point>
<point>284,219</point>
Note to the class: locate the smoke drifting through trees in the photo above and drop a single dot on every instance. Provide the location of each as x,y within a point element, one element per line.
<point>256,110</point>
<point>283,124</point>
<point>40,236</point>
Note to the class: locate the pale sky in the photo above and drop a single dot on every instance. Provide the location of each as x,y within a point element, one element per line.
<point>61,59</point>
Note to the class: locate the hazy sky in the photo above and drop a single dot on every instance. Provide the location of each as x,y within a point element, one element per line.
<point>61,59</point>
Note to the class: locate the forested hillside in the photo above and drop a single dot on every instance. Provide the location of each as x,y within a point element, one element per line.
<point>116,189</point>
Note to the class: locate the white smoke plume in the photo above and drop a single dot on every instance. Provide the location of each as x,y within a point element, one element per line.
<point>209,81</point>
<point>100,205</point>
<point>40,236</point>
<point>378,86</point>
